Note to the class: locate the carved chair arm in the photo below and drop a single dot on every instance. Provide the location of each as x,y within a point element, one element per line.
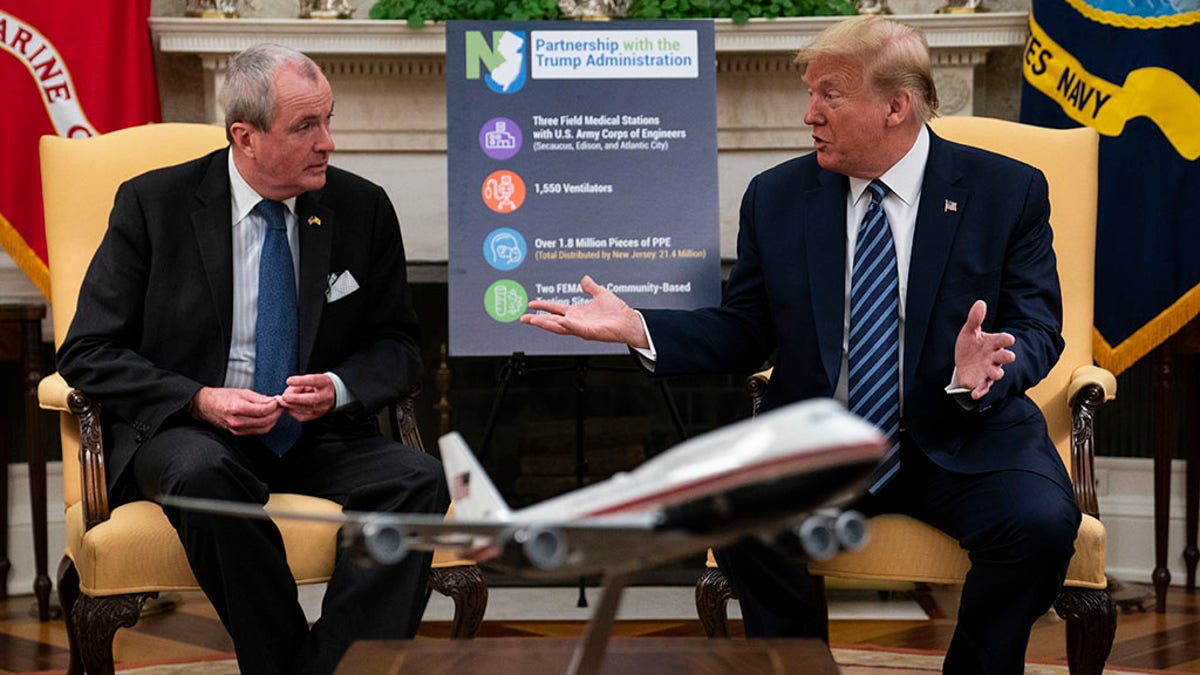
<point>1090,387</point>
<point>1093,375</point>
<point>55,394</point>
<point>756,385</point>
<point>404,419</point>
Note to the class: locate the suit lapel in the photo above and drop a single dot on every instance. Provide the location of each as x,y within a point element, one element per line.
<point>212,225</point>
<point>825,239</point>
<point>316,223</point>
<point>938,217</point>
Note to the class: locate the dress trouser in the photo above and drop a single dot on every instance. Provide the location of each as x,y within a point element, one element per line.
<point>1018,527</point>
<point>241,564</point>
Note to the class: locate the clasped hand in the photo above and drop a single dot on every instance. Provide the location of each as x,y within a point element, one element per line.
<point>979,357</point>
<point>243,412</point>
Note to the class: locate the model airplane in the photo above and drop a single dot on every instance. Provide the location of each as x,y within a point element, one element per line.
<point>783,477</point>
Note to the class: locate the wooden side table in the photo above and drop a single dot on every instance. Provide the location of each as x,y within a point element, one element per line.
<point>21,342</point>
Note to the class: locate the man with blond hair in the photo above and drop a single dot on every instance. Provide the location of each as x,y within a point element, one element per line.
<point>914,280</point>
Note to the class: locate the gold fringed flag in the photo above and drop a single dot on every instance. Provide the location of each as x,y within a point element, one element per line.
<point>69,69</point>
<point>1131,70</point>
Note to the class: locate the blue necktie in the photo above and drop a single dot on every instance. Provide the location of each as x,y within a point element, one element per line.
<point>275,334</point>
<point>874,359</point>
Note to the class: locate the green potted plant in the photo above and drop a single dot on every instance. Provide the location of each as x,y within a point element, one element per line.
<point>418,12</point>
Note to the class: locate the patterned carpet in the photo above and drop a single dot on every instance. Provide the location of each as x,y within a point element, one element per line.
<point>851,661</point>
<point>871,661</point>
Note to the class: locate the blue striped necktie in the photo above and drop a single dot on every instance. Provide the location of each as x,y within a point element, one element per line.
<point>874,359</point>
<point>275,334</point>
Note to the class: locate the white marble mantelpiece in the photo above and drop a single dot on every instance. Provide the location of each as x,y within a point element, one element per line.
<point>983,30</point>
<point>389,82</point>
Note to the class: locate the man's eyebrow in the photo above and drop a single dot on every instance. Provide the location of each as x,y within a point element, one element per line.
<point>827,82</point>
<point>308,119</point>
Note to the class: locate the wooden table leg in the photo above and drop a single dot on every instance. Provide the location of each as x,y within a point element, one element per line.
<point>1191,554</point>
<point>1164,447</point>
<point>5,566</point>
<point>1191,445</point>
<point>35,446</point>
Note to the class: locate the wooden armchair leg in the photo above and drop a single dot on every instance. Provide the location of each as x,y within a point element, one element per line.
<point>96,621</point>
<point>466,586</point>
<point>68,593</point>
<point>713,594</point>
<point>1091,618</point>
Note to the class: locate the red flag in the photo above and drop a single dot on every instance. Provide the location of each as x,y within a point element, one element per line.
<point>68,69</point>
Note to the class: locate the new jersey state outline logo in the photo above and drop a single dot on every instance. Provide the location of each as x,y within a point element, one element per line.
<point>504,59</point>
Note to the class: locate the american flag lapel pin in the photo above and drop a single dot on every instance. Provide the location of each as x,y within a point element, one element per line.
<point>950,206</point>
<point>313,220</point>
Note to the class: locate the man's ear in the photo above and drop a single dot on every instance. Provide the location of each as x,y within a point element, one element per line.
<point>899,108</point>
<point>242,135</point>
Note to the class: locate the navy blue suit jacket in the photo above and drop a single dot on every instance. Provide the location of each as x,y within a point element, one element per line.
<point>786,293</point>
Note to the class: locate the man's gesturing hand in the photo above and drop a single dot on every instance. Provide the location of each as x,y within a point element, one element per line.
<point>980,357</point>
<point>605,319</point>
<point>241,412</point>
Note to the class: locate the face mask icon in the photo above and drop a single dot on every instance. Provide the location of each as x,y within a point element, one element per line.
<point>506,250</point>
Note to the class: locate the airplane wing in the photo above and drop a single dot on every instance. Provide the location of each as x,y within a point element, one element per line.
<point>385,538</point>
<point>553,550</point>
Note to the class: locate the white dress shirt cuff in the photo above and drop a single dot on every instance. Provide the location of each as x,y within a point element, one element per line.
<point>343,397</point>
<point>961,394</point>
<point>648,355</point>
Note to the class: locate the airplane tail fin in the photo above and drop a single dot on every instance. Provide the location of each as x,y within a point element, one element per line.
<point>474,495</point>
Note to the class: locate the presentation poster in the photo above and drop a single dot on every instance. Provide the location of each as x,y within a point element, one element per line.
<point>577,148</point>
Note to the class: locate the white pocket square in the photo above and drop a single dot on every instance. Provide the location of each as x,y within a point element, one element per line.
<point>340,285</point>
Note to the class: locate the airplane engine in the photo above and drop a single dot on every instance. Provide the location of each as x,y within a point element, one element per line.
<point>377,541</point>
<point>821,535</point>
<point>817,537</point>
<point>545,548</point>
<point>850,529</point>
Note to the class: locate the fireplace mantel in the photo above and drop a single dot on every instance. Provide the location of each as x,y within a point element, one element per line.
<point>365,38</point>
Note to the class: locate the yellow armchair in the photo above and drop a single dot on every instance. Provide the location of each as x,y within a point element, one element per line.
<point>903,549</point>
<point>117,559</point>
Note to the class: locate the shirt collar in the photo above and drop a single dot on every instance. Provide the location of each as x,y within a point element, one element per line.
<point>904,177</point>
<point>244,196</point>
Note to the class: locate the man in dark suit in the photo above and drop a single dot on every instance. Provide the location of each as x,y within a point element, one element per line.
<point>244,319</point>
<point>963,258</point>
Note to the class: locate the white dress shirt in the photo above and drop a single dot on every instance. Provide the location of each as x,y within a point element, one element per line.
<point>900,204</point>
<point>249,231</point>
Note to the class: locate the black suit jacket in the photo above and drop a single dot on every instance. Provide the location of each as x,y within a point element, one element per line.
<point>982,232</point>
<point>154,317</point>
